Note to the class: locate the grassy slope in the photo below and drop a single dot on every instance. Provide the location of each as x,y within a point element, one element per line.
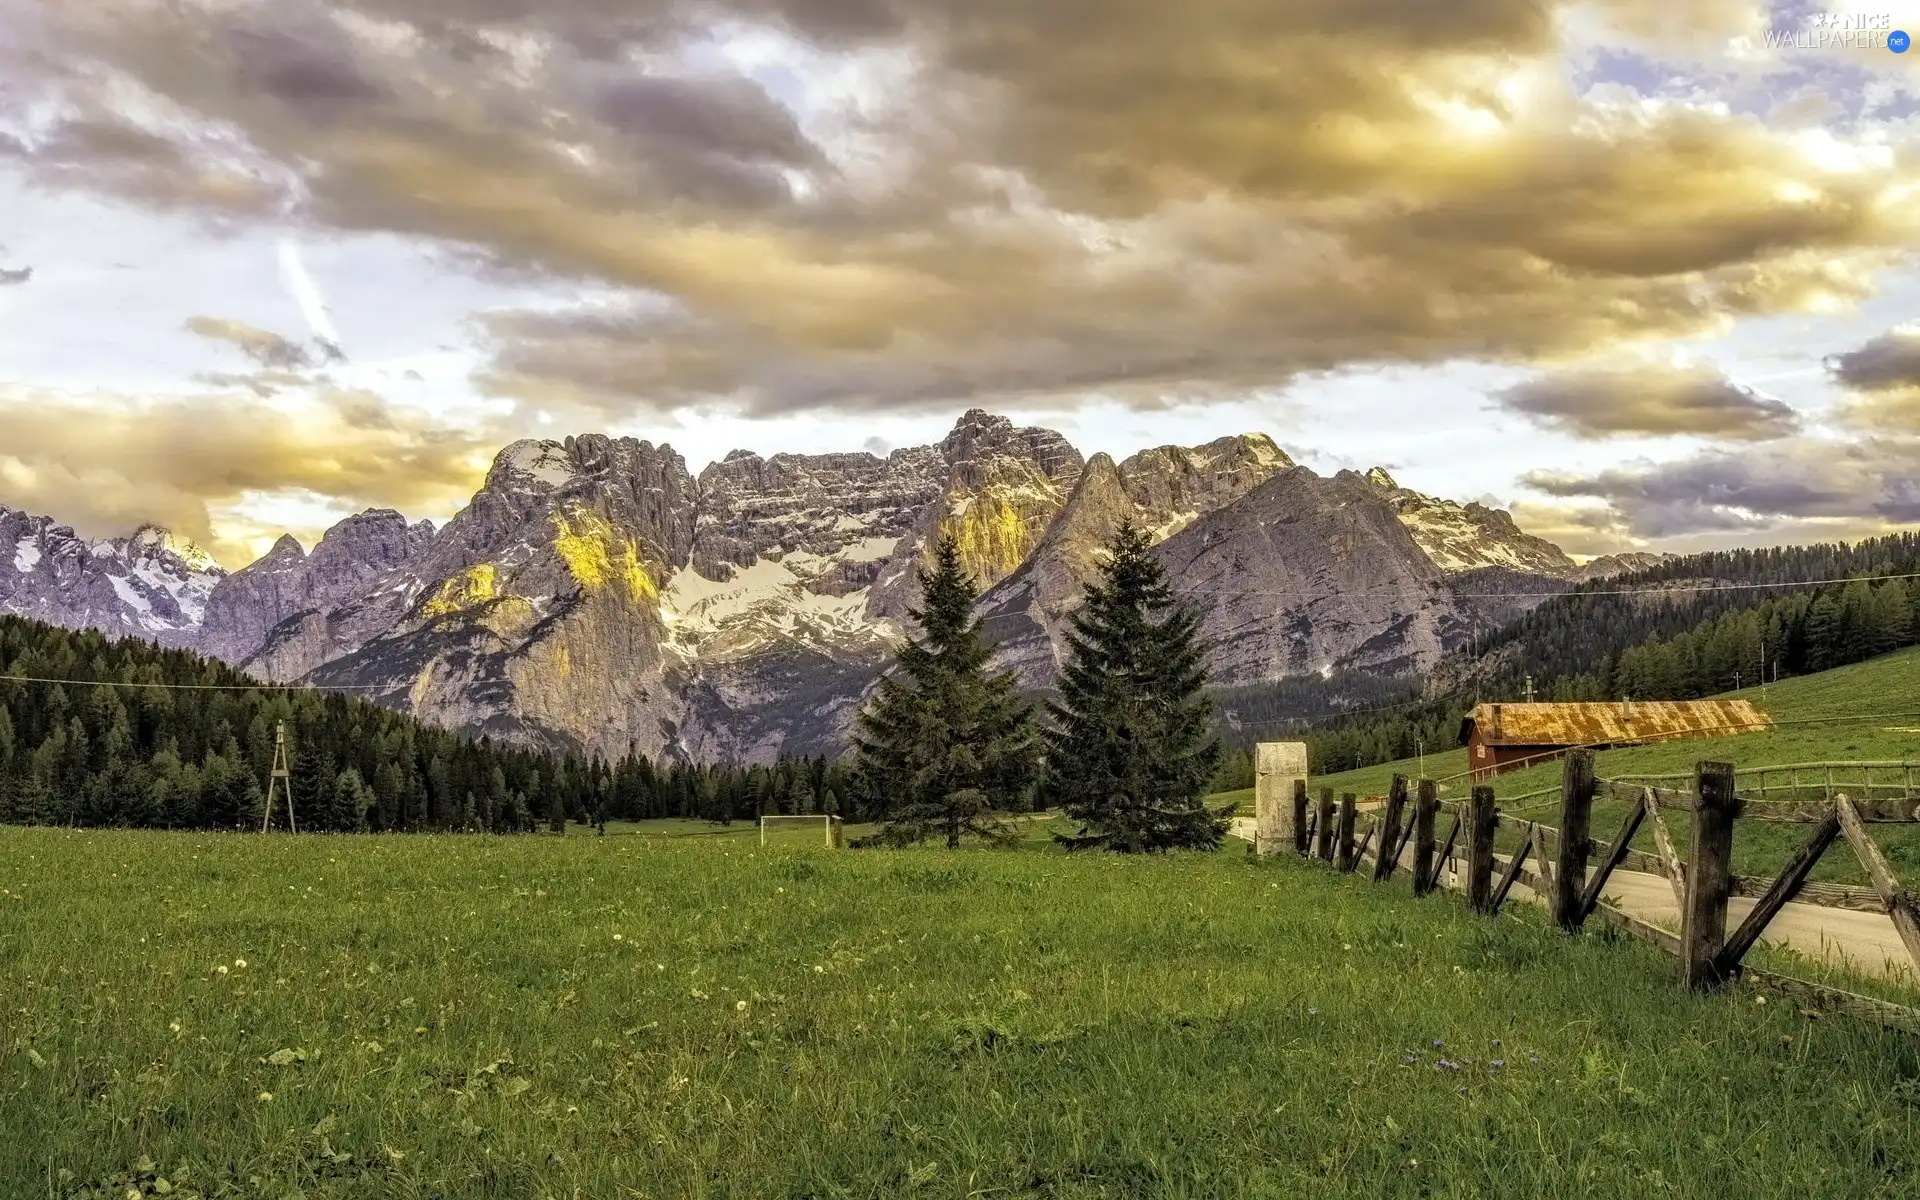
<point>1886,685</point>
<point>659,1017</point>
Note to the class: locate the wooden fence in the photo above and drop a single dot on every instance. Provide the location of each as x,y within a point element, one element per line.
<point>1571,868</point>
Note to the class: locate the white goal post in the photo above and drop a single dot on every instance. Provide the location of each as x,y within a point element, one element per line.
<point>829,826</point>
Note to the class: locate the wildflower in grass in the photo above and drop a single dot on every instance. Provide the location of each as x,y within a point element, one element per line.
<point>1437,1043</point>
<point>241,963</point>
<point>221,969</point>
<point>1313,1012</point>
<point>1497,1064</point>
<point>740,1006</point>
<point>266,1097</point>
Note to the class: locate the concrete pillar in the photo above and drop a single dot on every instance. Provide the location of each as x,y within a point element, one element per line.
<point>1276,767</point>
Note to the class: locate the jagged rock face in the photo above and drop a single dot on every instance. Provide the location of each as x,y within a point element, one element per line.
<point>1003,487</point>
<point>246,605</point>
<point>1467,537</point>
<point>1309,574</point>
<point>833,518</point>
<point>535,614</point>
<point>1162,491</point>
<point>151,585</point>
<point>594,594</point>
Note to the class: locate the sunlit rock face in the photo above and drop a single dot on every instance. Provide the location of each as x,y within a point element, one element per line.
<point>595,595</point>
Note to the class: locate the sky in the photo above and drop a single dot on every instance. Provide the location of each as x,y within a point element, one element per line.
<point>1642,271</point>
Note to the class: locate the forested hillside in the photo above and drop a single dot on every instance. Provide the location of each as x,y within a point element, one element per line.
<point>1675,631</point>
<point>141,736</point>
<point>1577,646</point>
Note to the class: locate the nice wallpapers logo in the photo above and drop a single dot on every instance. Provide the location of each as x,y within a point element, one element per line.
<point>1841,31</point>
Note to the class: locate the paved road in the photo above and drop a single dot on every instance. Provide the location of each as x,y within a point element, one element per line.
<point>1865,941</point>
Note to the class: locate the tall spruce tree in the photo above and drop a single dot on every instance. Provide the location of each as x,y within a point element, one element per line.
<point>1131,752</point>
<point>943,747</point>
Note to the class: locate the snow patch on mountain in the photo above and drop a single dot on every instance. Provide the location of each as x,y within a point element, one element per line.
<point>544,463</point>
<point>130,595</point>
<point>26,555</point>
<point>1468,537</point>
<point>760,606</point>
<point>866,550</point>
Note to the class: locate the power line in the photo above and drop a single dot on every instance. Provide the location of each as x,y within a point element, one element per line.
<point>1651,589</point>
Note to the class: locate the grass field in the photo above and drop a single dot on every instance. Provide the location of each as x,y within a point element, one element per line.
<point>1886,685</point>
<point>688,1016</point>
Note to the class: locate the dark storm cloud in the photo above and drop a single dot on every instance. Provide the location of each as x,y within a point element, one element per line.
<point>1887,363</point>
<point>1645,400</point>
<point>316,73</point>
<point>1809,478</point>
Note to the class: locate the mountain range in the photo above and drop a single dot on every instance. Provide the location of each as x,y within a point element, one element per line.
<point>596,594</point>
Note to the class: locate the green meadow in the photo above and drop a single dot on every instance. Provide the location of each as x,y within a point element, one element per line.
<point>692,1016</point>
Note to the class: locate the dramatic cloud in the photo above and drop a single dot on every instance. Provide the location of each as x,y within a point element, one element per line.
<point>268,349</point>
<point>1604,402</point>
<point>832,208</point>
<point>105,463</point>
<point>1884,376</point>
<point>1862,485</point>
<point>961,198</point>
<point>1888,363</point>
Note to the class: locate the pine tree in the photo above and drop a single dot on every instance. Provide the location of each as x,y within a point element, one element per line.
<point>1130,750</point>
<point>943,746</point>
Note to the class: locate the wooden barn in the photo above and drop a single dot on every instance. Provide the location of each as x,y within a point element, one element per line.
<point>1506,737</point>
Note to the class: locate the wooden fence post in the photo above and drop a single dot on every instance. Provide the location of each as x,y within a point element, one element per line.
<point>1703,919</point>
<point>1323,826</point>
<point>1345,834</point>
<point>1300,816</point>
<point>1390,830</point>
<point>1425,808</point>
<point>1576,812</point>
<point>1482,820</point>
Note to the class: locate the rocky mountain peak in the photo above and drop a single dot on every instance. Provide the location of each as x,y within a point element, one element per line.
<point>247,605</point>
<point>981,439</point>
<point>594,594</point>
<point>287,551</point>
<point>157,543</point>
<point>150,584</point>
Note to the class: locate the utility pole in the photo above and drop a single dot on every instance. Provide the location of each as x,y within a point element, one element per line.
<point>280,780</point>
<point>1529,689</point>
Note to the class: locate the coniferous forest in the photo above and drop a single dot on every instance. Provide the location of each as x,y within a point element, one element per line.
<point>195,754</point>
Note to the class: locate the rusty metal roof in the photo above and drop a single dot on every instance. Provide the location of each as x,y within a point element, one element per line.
<point>1611,724</point>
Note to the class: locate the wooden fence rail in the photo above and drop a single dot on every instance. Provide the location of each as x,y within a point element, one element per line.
<point>1553,862</point>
